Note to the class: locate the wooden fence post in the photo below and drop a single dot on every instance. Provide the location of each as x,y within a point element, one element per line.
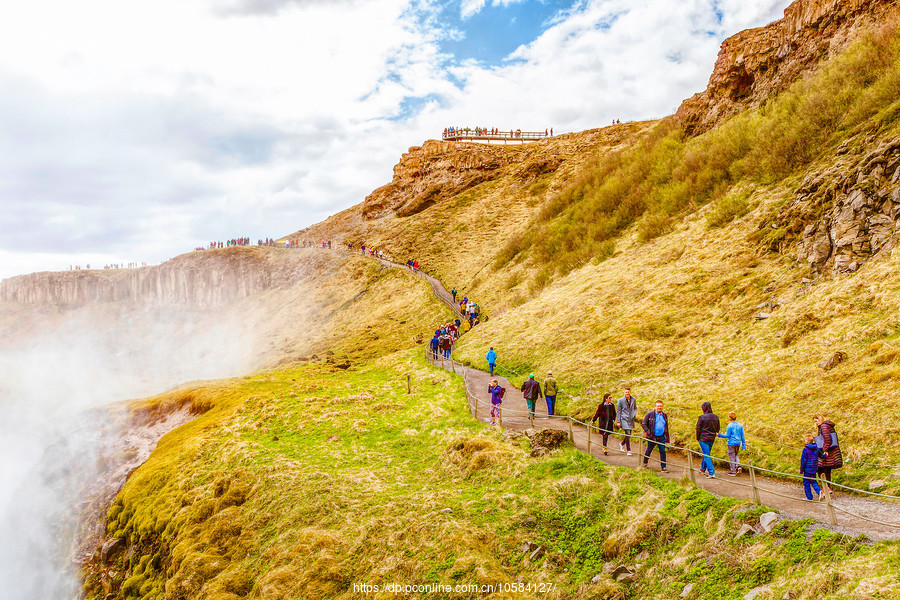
<point>408,383</point>
<point>690,459</point>
<point>832,516</point>
<point>589,438</point>
<point>571,432</point>
<point>753,484</point>
<point>640,452</point>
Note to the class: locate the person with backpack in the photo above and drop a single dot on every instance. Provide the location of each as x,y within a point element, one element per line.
<point>446,344</point>
<point>656,430</point>
<point>454,294</point>
<point>491,357</point>
<point>435,342</point>
<point>605,417</point>
<point>531,389</point>
<point>734,433</point>
<point>707,431</point>
<point>551,388</point>
<point>809,467</point>
<point>497,392</point>
<point>830,456</point>
<point>626,408</point>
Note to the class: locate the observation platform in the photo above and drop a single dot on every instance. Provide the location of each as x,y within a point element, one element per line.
<point>494,135</point>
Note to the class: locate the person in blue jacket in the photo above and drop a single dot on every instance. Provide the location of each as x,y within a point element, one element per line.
<point>734,433</point>
<point>435,342</point>
<point>809,466</point>
<point>491,357</point>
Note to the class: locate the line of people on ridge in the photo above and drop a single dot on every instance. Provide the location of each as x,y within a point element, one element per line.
<point>482,131</point>
<point>369,251</point>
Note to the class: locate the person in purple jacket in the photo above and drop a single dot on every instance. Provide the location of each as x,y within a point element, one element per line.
<point>496,392</point>
<point>809,466</point>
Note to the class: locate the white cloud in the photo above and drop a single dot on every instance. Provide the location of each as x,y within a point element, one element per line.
<point>137,130</point>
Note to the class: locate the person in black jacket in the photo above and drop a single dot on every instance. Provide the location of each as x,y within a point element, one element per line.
<point>606,417</point>
<point>707,431</point>
<point>656,430</point>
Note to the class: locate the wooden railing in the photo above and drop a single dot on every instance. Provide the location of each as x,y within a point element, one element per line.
<point>489,135</point>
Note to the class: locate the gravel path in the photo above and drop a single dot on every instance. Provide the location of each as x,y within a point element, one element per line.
<point>786,497</point>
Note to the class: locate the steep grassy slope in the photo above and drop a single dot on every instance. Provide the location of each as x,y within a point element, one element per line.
<point>649,260</point>
<point>299,483</point>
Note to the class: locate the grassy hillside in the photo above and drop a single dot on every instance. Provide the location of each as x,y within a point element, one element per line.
<point>299,483</point>
<point>647,260</point>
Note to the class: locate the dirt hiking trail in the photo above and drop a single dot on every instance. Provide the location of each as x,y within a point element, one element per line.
<point>783,495</point>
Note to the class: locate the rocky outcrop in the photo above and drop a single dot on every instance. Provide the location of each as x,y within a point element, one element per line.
<point>758,63</point>
<point>435,171</point>
<point>844,214</point>
<point>202,279</point>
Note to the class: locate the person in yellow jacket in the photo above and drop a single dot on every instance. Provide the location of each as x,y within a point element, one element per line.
<point>551,388</point>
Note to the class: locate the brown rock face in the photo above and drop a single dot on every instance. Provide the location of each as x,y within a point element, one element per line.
<point>436,171</point>
<point>758,63</point>
<point>847,212</point>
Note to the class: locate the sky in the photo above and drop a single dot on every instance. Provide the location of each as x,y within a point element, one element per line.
<point>136,131</point>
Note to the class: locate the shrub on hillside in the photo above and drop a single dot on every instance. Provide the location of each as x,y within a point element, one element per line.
<point>728,208</point>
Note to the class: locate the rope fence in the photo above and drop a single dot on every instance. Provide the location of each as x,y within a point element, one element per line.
<point>473,402</point>
<point>589,430</point>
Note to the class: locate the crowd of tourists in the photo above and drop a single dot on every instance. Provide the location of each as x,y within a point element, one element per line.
<point>819,457</point>
<point>450,132</point>
<point>107,267</point>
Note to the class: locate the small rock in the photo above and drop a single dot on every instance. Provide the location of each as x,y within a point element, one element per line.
<point>528,547</point>
<point>597,579</point>
<point>531,521</point>
<point>435,381</point>
<point>619,571</point>
<point>626,578</point>
<point>835,359</point>
<point>538,452</point>
<point>446,511</point>
<point>131,552</point>
<point>744,530</point>
<point>333,438</point>
<point>537,554</point>
<point>687,590</point>
<point>876,485</point>
<point>790,595</point>
<point>761,316</point>
<point>767,521</point>
<point>755,592</point>
<point>528,432</point>
<point>608,568</point>
<point>894,476</point>
<point>827,342</point>
<point>109,548</point>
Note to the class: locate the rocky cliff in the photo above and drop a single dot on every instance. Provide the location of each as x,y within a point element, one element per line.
<point>758,63</point>
<point>848,211</point>
<point>436,171</point>
<point>200,279</point>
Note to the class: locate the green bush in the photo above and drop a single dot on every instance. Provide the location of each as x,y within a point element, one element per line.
<point>728,208</point>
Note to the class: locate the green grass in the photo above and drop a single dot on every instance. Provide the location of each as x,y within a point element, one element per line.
<point>257,498</point>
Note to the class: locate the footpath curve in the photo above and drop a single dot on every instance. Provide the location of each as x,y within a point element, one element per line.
<point>881,520</point>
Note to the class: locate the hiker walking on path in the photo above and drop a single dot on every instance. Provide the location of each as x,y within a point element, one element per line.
<point>656,430</point>
<point>626,408</point>
<point>708,427</point>
<point>531,389</point>
<point>734,433</point>
<point>551,388</point>
<point>446,344</point>
<point>491,357</point>
<point>454,294</point>
<point>435,342</point>
<point>606,418</point>
<point>830,456</point>
<point>496,400</point>
<point>809,466</point>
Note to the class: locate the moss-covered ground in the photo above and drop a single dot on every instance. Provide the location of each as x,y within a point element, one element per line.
<point>301,482</point>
